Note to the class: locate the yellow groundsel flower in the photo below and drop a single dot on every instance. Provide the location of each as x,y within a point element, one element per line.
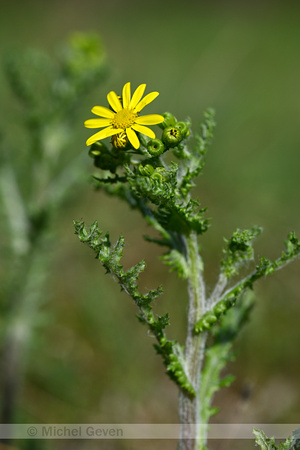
<point>122,120</point>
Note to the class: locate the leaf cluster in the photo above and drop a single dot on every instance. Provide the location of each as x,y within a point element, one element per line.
<point>266,443</point>
<point>238,252</point>
<point>110,257</point>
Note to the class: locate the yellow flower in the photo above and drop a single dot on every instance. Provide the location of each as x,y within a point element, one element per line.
<point>122,120</point>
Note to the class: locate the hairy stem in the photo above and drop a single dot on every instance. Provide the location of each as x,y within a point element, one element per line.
<point>189,407</point>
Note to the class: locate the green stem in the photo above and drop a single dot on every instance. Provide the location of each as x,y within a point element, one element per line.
<point>21,317</point>
<point>190,407</point>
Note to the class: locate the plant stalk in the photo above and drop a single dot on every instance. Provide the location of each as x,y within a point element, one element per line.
<point>190,407</point>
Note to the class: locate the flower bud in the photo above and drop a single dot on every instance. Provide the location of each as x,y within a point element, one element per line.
<point>146,170</point>
<point>168,122</point>
<point>159,174</point>
<point>171,137</point>
<point>183,128</point>
<point>155,147</point>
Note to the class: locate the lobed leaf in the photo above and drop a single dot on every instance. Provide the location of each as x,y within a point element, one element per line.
<point>110,257</point>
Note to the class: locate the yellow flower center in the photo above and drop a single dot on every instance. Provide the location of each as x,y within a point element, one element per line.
<point>124,119</point>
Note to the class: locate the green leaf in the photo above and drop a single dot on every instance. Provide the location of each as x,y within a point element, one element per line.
<point>110,257</point>
<point>266,443</point>
<point>177,261</point>
<point>194,159</point>
<point>219,353</point>
<point>265,267</point>
<point>239,250</point>
<point>216,357</point>
<point>263,441</point>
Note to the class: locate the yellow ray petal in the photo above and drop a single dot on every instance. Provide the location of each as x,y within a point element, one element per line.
<point>103,112</point>
<point>148,99</point>
<point>126,95</point>
<point>149,119</point>
<point>132,137</point>
<point>138,94</point>
<point>97,123</point>
<point>110,131</point>
<point>144,130</point>
<point>114,101</point>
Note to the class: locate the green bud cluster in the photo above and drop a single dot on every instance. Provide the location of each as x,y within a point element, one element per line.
<point>173,132</point>
<point>158,188</point>
<point>158,173</point>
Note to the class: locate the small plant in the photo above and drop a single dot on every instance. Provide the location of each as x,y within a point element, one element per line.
<point>39,171</point>
<point>156,177</point>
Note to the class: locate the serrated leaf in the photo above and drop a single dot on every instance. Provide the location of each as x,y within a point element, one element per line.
<point>178,262</point>
<point>263,441</point>
<point>239,250</point>
<point>110,257</point>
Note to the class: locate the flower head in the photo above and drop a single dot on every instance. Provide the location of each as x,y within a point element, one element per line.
<point>122,120</point>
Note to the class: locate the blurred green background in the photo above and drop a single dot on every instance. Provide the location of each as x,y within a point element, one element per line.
<point>92,362</point>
